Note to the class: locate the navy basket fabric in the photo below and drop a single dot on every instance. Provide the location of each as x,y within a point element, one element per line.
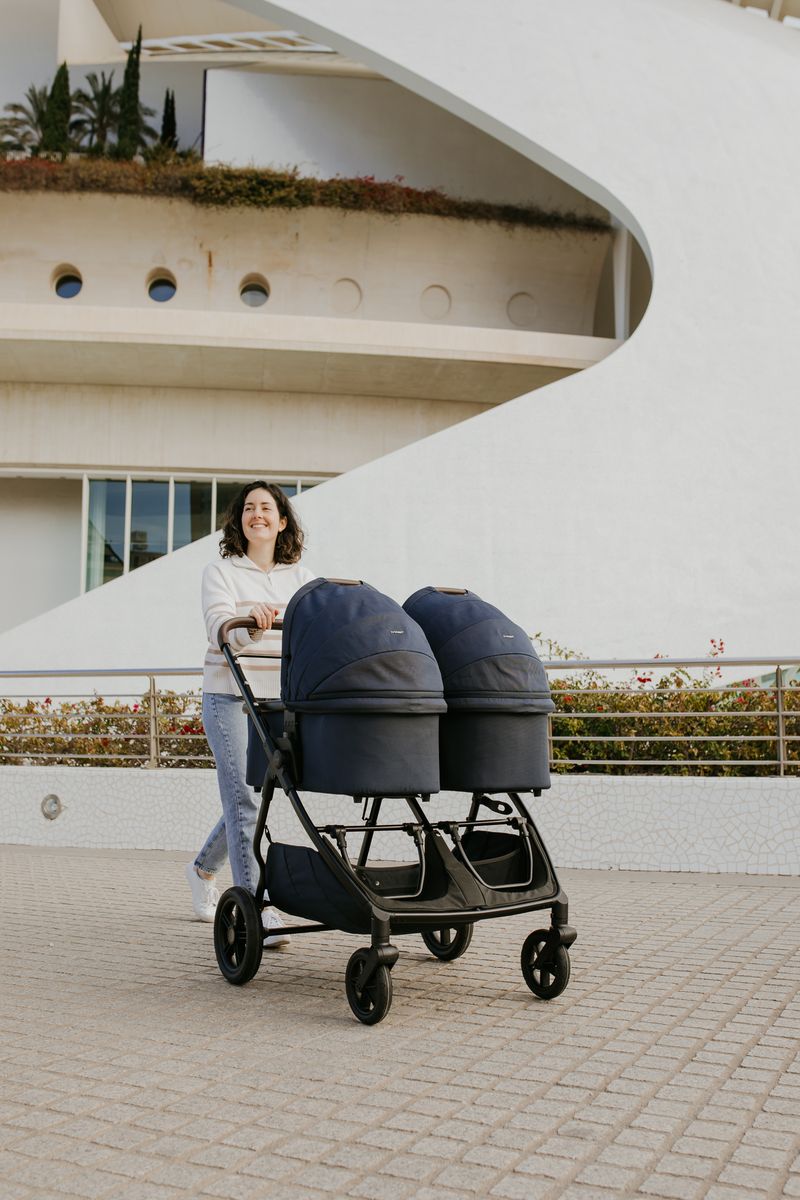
<point>347,648</point>
<point>488,663</point>
<point>301,883</point>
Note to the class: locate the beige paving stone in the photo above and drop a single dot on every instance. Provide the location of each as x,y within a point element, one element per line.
<point>523,1187</point>
<point>673,1187</point>
<point>668,1068</point>
<point>384,1187</point>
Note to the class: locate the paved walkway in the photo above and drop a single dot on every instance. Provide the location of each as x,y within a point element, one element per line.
<point>132,1071</point>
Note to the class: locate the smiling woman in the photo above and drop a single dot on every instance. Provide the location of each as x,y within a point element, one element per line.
<point>258,574</point>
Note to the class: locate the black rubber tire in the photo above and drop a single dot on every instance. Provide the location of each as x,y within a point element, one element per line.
<point>238,935</point>
<point>448,943</point>
<point>546,979</point>
<point>372,1003</point>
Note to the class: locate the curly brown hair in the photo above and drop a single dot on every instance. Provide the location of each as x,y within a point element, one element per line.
<point>289,543</point>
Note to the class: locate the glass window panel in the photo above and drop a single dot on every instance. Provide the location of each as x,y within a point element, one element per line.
<point>192,519</point>
<point>288,489</point>
<point>68,286</point>
<point>149,511</point>
<point>162,290</point>
<point>254,295</point>
<point>225,493</point>
<point>106,534</point>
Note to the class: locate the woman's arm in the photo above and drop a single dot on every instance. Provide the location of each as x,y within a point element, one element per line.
<point>220,604</point>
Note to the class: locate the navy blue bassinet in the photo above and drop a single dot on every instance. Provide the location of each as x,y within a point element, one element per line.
<point>362,694</point>
<point>494,737</point>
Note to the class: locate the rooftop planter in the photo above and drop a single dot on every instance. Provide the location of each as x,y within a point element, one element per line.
<point>228,187</point>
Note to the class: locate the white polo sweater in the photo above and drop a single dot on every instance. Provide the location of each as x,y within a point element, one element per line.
<point>231,586</point>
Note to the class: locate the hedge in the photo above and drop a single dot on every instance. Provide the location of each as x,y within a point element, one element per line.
<point>226,187</point>
<point>673,705</point>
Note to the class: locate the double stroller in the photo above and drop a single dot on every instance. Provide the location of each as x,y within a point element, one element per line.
<point>387,704</point>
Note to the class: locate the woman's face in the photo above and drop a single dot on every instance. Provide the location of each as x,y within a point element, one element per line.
<point>261,520</point>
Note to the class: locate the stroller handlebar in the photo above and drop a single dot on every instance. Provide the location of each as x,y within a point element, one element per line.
<point>241,623</point>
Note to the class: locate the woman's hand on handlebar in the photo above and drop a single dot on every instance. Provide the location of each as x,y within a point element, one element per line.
<point>264,616</point>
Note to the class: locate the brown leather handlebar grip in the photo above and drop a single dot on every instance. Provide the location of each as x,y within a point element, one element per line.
<point>241,623</point>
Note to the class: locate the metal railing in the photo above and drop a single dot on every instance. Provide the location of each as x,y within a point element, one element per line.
<point>667,719</point>
<point>664,718</point>
<point>154,727</point>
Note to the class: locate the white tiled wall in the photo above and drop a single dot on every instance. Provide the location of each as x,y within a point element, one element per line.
<point>654,824</point>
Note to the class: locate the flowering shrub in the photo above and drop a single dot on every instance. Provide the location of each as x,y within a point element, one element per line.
<point>223,187</point>
<point>100,733</point>
<point>666,722</point>
<point>670,724</point>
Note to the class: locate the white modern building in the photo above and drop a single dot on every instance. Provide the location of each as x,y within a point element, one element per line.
<point>430,370</point>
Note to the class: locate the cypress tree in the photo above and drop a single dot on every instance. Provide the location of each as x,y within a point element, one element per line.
<point>130,120</point>
<point>169,133</point>
<point>55,126</point>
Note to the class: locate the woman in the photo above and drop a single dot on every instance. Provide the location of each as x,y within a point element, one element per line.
<point>258,573</point>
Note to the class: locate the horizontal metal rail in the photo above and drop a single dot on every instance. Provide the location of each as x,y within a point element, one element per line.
<point>49,732</point>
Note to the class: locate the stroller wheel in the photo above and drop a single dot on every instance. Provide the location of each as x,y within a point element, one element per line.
<point>370,1002</point>
<point>449,943</point>
<point>546,972</point>
<point>238,936</point>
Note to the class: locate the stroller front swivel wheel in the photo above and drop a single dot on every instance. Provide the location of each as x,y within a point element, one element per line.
<point>546,970</point>
<point>372,999</point>
<point>448,943</point>
<point>238,935</point>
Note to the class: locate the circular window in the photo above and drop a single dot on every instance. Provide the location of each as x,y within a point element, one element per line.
<point>162,287</point>
<point>67,283</point>
<point>254,291</point>
<point>435,302</point>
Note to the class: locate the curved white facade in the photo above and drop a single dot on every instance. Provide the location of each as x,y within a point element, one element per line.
<point>646,504</point>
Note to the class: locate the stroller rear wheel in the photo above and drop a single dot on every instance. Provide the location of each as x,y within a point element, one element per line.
<point>546,970</point>
<point>238,935</point>
<point>372,1000</point>
<point>448,943</point>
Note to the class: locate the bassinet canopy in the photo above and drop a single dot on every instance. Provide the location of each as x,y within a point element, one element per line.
<point>487,662</point>
<point>349,648</point>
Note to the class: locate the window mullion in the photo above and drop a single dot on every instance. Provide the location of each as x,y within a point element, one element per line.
<point>127,552</point>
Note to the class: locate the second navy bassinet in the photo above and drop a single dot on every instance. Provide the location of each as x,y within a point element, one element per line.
<point>494,737</point>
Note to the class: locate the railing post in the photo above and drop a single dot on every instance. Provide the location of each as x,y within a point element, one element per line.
<point>155,750</point>
<point>550,747</point>
<point>779,706</point>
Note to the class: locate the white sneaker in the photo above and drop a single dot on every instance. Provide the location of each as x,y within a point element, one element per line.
<point>204,894</point>
<point>272,922</point>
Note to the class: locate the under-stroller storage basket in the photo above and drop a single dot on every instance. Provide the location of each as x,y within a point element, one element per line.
<point>504,860</point>
<point>494,737</point>
<point>363,693</point>
<point>300,882</point>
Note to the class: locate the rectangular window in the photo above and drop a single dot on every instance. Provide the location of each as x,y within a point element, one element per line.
<point>192,518</point>
<point>225,493</point>
<point>149,516</point>
<point>144,519</point>
<point>105,557</point>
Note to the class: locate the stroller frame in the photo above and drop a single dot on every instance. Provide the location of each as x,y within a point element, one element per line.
<point>238,934</point>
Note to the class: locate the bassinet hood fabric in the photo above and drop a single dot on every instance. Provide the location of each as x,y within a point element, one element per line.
<point>487,662</point>
<point>349,648</point>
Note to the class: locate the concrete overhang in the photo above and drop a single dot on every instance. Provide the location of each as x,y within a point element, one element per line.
<point>43,344</point>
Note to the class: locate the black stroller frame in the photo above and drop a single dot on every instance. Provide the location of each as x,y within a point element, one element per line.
<point>447,933</point>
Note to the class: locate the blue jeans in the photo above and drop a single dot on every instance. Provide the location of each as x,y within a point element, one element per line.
<point>225,724</point>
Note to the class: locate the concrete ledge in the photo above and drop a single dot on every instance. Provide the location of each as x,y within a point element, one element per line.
<point>750,826</point>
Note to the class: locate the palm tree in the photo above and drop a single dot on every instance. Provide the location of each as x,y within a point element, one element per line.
<point>23,128</point>
<point>96,111</point>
